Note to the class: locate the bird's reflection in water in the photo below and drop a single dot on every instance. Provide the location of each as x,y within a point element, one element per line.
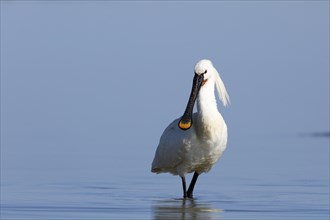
<point>184,209</point>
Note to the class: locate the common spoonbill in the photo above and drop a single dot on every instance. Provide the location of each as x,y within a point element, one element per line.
<point>196,141</point>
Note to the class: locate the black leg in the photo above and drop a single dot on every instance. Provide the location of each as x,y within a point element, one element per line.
<point>184,186</point>
<point>192,185</point>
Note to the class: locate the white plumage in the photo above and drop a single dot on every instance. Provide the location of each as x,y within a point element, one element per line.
<point>196,141</point>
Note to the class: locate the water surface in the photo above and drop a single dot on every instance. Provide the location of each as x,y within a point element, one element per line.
<point>294,186</point>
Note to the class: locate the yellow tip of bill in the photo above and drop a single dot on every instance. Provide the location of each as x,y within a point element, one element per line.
<point>184,126</point>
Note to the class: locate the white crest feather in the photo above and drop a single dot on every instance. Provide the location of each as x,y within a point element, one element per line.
<point>223,95</point>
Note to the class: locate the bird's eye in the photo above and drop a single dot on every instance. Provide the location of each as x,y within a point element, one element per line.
<point>205,72</point>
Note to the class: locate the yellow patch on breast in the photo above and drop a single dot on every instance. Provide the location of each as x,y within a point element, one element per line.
<point>204,81</point>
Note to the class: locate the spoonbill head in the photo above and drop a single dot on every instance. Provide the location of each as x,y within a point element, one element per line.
<point>195,141</point>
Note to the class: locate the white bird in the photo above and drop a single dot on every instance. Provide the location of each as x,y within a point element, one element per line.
<point>196,141</point>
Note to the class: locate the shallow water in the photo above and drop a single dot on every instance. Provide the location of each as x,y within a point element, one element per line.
<point>295,187</point>
<point>300,200</point>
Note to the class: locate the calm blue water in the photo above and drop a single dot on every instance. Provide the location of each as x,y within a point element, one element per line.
<point>257,182</point>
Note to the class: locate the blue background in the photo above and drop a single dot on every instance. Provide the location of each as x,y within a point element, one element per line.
<point>87,88</point>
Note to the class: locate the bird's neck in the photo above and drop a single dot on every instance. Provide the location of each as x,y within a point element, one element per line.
<point>208,117</point>
<point>206,102</point>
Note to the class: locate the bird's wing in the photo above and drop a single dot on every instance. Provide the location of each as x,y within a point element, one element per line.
<point>171,149</point>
